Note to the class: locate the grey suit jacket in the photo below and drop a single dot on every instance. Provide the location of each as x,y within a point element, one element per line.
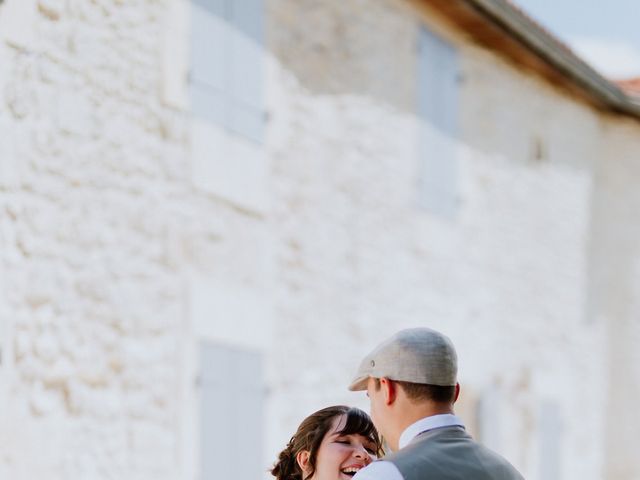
<point>449,453</point>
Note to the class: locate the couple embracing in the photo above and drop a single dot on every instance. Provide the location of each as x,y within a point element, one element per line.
<point>411,382</point>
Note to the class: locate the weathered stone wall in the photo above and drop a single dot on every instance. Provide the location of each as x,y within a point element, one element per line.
<point>91,163</point>
<point>507,278</point>
<point>615,289</point>
<point>101,228</point>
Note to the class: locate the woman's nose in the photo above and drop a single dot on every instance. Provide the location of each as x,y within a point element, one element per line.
<point>361,452</point>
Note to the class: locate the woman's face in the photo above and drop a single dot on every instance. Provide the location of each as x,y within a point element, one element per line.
<point>341,456</point>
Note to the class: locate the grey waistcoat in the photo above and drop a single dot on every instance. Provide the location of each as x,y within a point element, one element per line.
<point>449,453</point>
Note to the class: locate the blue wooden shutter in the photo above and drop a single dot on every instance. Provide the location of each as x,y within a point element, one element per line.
<point>227,59</point>
<point>550,441</point>
<point>247,68</point>
<point>209,60</point>
<point>437,108</point>
<point>231,412</point>
<point>489,419</point>
<point>2,343</point>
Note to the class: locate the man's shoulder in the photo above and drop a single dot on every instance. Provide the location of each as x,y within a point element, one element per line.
<point>451,449</point>
<point>499,462</point>
<point>380,470</point>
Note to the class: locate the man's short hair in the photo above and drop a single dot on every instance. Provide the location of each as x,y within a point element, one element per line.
<point>424,392</point>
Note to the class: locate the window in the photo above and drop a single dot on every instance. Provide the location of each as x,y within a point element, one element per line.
<point>437,110</point>
<point>488,418</point>
<point>5,359</point>
<point>550,441</point>
<point>227,77</point>
<point>231,413</point>
<point>2,342</point>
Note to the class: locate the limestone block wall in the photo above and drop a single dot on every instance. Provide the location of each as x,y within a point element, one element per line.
<point>551,145</point>
<point>91,305</point>
<point>615,288</point>
<point>102,233</point>
<point>508,278</point>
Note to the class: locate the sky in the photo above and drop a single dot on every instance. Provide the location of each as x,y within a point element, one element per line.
<point>605,33</point>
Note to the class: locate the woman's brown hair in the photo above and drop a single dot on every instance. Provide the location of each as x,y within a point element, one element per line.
<point>310,434</point>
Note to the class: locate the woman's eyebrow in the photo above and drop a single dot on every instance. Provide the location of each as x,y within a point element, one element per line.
<point>342,434</point>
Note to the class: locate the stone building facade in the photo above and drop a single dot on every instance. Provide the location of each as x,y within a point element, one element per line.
<point>194,258</point>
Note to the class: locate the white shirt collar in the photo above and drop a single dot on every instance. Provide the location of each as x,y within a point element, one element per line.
<point>428,423</point>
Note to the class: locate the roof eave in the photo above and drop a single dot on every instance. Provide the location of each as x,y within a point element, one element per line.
<point>548,48</point>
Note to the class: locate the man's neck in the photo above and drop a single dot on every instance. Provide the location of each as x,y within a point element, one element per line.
<point>411,413</point>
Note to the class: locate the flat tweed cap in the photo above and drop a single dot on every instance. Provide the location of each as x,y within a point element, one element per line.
<point>417,355</point>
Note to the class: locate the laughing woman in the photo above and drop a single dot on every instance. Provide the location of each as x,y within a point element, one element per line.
<point>330,444</point>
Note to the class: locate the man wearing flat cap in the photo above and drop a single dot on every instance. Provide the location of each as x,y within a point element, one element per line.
<point>411,382</point>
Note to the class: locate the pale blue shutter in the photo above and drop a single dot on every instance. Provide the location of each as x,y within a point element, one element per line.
<point>231,412</point>
<point>550,444</point>
<point>437,108</point>
<point>227,60</point>
<point>2,342</point>
<point>209,60</point>
<point>489,419</point>
<point>247,68</point>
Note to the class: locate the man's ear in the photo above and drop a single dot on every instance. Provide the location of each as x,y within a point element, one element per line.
<point>389,390</point>
<point>455,397</point>
<point>303,460</point>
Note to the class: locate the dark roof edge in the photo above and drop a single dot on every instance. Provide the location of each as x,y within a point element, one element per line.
<point>552,51</point>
